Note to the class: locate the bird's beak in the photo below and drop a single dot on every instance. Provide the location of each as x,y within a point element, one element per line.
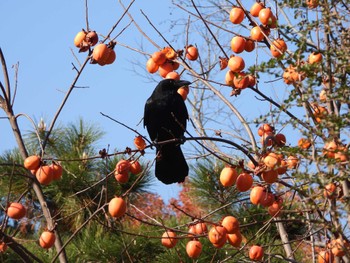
<point>181,83</point>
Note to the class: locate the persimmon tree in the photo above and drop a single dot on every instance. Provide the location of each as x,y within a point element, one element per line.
<point>269,142</point>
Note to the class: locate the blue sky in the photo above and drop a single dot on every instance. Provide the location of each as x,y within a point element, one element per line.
<point>39,35</point>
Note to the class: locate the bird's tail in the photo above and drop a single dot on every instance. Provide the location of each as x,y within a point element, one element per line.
<point>171,166</point>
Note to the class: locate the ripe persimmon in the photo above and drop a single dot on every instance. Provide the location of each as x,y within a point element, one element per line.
<point>217,236</point>
<point>122,177</point>
<point>315,57</point>
<point>117,207</point>
<point>80,38</point>
<point>244,182</point>
<point>236,64</point>
<point>169,239</point>
<point>151,66</point>
<point>256,8</point>
<point>192,52</point>
<point>44,174</point>
<point>236,15</point>
<point>159,57</point>
<point>249,45</point>
<point>135,167</point>
<point>275,208</point>
<point>91,38</point>
<point>122,166</point>
<point>256,194</point>
<point>140,142</point>
<point>57,171</point>
<point>235,239</point>
<point>194,248</point>
<point>16,211</point>
<point>256,33</point>
<point>183,91</point>
<point>32,162</point>
<point>256,252</point>
<point>265,16</point>
<point>240,80</point>
<point>272,160</point>
<point>165,68</point>
<point>278,47</point>
<point>238,44</point>
<point>103,54</point>
<point>304,143</point>
<point>269,176</point>
<point>47,239</point>
<point>325,256</point>
<point>228,176</point>
<point>173,75</point>
<point>230,223</point>
<point>330,191</point>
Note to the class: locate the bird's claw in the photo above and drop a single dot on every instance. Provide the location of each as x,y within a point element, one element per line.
<point>182,139</point>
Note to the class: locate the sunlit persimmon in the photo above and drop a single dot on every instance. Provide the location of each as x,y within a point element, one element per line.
<point>330,191</point>
<point>315,58</point>
<point>244,182</point>
<point>278,47</point>
<point>173,75</point>
<point>235,239</point>
<point>135,167</point>
<point>256,194</point>
<point>169,53</point>
<point>140,142</point>
<point>103,54</point>
<point>151,66</point>
<point>341,154</point>
<point>47,239</point>
<point>16,211</point>
<point>272,160</point>
<point>79,40</point>
<point>91,38</point>
<point>292,162</point>
<point>122,177</point>
<point>256,8</point>
<point>238,44</point>
<point>44,174</point>
<point>256,252</point>
<point>158,57</point>
<point>256,33</point>
<point>194,248</point>
<point>236,64</point>
<point>241,80</point>
<point>304,143</point>
<point>230,223</point>
<point>269,176</point>
<point>117,207</point>
<point>165,68</point>
<point>192,52</point>
<point>122,166</point>
<point>325,256</point>
<point>236,15</point>
<point>32,162</point>
<point>217,235</point>
<point>169,239</point>
<point>57,170</point>
<point>228,176</point>
<point>183,91</point>
<point>265,16</point>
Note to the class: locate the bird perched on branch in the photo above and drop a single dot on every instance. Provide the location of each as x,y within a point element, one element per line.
<point>165,117</point>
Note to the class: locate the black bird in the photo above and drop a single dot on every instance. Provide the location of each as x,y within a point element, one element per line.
<point>165,118</point>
